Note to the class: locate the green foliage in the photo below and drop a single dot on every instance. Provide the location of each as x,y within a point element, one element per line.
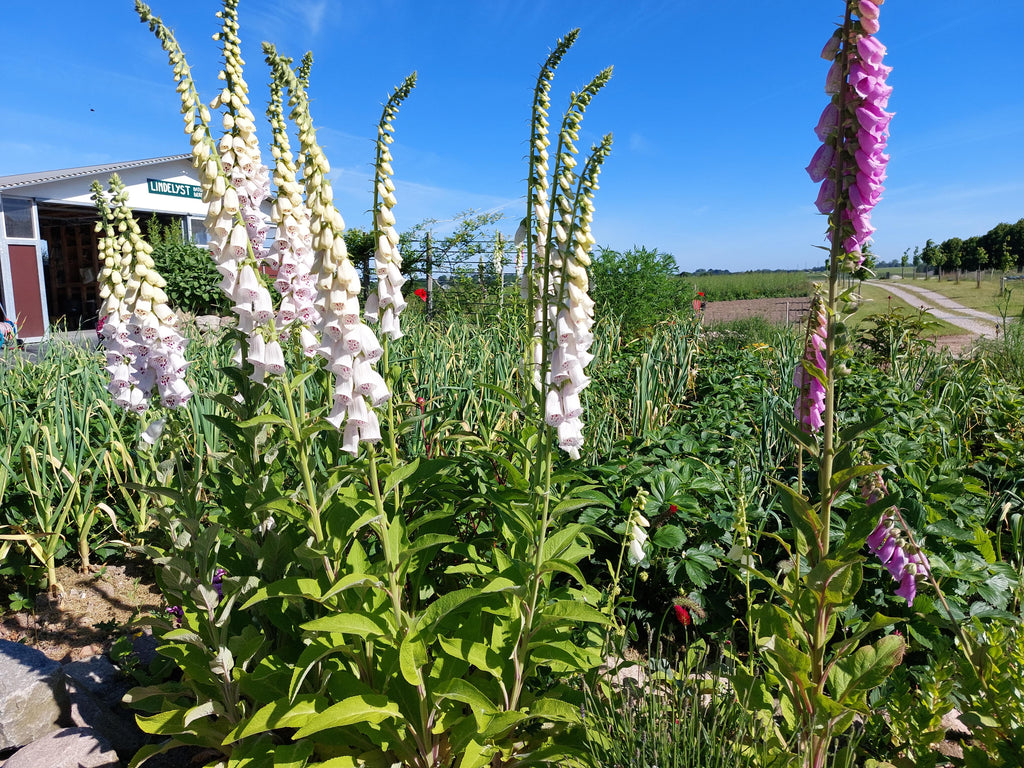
<point>638,287</point>
<point>670,717</point>
<point>193,283</point>
<point>752,285</point>
<point>896,334</point>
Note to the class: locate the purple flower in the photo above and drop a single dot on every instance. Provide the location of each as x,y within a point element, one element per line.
<point>902,564</point>
<point>810,371</point>
<point>853,130</point>
<point>908,587</point>
<point>177,613</point>
<point>218,581</point>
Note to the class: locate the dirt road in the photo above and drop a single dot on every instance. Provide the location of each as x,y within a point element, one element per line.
<point>973,320</point>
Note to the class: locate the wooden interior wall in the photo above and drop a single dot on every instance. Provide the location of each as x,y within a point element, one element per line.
<point>72,291</point>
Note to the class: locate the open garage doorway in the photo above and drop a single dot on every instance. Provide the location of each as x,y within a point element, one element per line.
<point>71,265</point>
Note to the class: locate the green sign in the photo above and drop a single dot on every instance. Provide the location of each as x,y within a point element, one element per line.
<point>174,188</point>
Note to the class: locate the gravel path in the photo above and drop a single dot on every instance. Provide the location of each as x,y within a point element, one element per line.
<point>973,320</point>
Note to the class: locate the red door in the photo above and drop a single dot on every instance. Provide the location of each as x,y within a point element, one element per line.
<point>26,283</point>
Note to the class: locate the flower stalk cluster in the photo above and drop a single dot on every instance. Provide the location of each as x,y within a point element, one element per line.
<point>293,247</point>
<point>905,563</point>
<point>144,349</point>
<point>386,303</point>
<point>346,342</point>
<point>235,183</point>
<point>558,255</point>
<point>850,164</point>
<point>809,376</point>
<point>637,526</point>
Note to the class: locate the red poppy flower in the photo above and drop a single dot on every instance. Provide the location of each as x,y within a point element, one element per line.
<point>422,293</point>
<point>683,615</point>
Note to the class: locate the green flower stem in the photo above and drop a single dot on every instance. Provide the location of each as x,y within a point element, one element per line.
<point>392,563</point>
<point>300,443</point>
<point>537,576</point>
<point>828,446</point>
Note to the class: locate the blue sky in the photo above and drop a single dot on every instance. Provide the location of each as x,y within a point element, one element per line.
<point>711,105</point>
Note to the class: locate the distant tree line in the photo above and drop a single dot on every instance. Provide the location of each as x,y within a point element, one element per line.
<point>1001,248</point>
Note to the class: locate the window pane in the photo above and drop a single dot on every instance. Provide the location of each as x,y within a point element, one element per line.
<point>199,233</point>
<point>18,217</point>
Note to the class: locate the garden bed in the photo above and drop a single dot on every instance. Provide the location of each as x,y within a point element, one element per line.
<point>94,610</point>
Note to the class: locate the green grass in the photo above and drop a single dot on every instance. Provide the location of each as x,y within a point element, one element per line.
<point>877,300</point>
<point>985,298</point>
<point>753,285</point>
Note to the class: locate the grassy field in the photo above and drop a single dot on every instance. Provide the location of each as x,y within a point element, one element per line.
<point>985,298</point>
<point>753,285</point>
<point>876,300</point>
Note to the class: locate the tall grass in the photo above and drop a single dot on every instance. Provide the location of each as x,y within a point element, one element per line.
<point>671,716</point>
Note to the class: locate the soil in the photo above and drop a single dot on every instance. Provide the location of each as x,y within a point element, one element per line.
<point>794,311</point>
<point>94,610</point>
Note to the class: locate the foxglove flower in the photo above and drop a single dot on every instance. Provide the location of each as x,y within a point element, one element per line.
<point>809,376</point>
<point>904,564</point>
<point>555,280</point>
<point>638,526</point>
<point>386,303</point>
<point>144,349</point>
<point>850,164</point>
<point>233,178</point>
<point>348,345</point>
<point>292,249</point>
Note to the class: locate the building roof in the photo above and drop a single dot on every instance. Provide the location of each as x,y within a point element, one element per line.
<point>45,177</point>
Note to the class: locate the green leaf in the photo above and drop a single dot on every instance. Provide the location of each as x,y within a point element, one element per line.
<point>867,668</point>
<point>562,566</point>
<point>800,437</point>
<point>355,709</point>
<point>399,474</point>
<point>480,655</point>
<point>264,419</point>
<point>467,693</point>
<point>669,537</point>
<point>361,624</point>
<point>278,714</point>
<point>838,581</point>
<point>551,709</point>
<point>571,610</point>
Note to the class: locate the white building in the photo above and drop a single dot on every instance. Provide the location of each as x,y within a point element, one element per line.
<point>48,243</point>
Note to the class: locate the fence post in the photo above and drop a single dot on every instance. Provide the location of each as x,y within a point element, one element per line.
<point>430,277</point>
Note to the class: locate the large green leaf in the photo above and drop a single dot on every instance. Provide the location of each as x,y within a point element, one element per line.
<point>278,714</point>
<point>467,693</point>
<point>363,625</point>
<point>355,709</point>
<point>854,676</point>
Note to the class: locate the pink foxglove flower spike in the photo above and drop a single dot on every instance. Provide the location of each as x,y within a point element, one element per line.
<point>809,375</point>
<point>850,164</point>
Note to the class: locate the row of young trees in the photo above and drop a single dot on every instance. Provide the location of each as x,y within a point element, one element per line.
<point>1001,248</point>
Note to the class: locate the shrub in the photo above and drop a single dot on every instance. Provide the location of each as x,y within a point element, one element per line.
<point>193,284</point>
<point>638,286</point>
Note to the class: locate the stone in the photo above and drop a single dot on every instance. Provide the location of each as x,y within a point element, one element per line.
<point>100,678</point>
<point>33,698</point>
<point>66,748</point>
<point>954,728</point>
<point>115,724</point>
